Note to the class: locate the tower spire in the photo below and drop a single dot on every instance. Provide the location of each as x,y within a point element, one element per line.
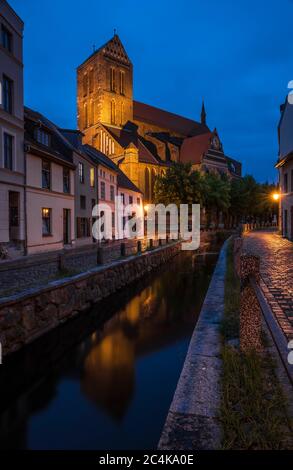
<point>203,115</point>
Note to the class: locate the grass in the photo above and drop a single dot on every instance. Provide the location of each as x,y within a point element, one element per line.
<point>253,409</point>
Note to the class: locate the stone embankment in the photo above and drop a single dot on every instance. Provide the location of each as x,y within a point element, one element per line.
<point>28,315</point>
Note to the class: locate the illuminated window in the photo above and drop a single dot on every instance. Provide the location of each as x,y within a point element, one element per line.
<point>122,82</point>
<point>92,177</point>
<point>122,114</point>
<point>46,221</point>
<point>85,84</point>
<point>91,80</point>
<point>113,112</point>
<point>112,79</point>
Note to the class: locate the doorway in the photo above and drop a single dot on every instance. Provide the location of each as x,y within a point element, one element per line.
<point>66,226</point>
<point>13,215</point>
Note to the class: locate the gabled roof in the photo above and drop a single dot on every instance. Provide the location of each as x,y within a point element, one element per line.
<point>59,146</point>
<point>113,49</point>
<point>100,158</point>
<point>193,148</point>
<point>166,120</point>
<point>125,183</point>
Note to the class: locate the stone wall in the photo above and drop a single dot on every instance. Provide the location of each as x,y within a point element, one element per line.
<point>28,315</point>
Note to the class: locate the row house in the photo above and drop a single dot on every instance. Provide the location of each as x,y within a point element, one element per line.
<point>12,226</point>
<point>285,167</point>
<point>50,186</point>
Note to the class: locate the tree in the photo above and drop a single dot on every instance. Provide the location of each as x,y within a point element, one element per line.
<point>179,185</point>
<point>216,198</point>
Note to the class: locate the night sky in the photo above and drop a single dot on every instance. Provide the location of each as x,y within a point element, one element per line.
<point>235,54</point>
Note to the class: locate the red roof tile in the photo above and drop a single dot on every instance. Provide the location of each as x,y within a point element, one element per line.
<point>193,148</point>
<point>164,119</point>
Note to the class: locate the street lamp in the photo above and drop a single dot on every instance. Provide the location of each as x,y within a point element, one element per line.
<point>276,196</point>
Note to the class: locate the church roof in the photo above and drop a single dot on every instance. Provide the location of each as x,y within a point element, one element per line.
<point>193,148</point>
<point>113,49</point>
<point>166,120</point>
<point>125,183</point>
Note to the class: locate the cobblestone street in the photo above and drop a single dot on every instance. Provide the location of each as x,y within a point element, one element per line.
<point>276,265</point>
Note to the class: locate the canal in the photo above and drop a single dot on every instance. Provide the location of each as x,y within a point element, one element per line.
<point>105,380</point>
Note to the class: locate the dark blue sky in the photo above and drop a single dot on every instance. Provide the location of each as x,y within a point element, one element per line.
<point>235,54</point>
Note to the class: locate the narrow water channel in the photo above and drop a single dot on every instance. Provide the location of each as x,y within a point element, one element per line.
<point>106,379</point>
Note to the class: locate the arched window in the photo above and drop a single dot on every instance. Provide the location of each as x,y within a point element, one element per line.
<point>122,114</point>
<point>85,83</point>
<point>113,112</point>
<point>147,184</point>
<point>122,82</point>
<point>112,79</point>
<point>153,179</point>
<point>92,110</point>
<point>85,114</point>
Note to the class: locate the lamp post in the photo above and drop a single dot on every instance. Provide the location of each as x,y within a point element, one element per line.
<point>276,197</point>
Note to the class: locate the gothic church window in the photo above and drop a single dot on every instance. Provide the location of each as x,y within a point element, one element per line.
<point>147,184</point>
<point>91,80</point>
<point>113,112</point>
<point>122,114</point>
<point>122,82</point>
<point>85,83</point>
<point>112,79</point>
<point>85,115</point>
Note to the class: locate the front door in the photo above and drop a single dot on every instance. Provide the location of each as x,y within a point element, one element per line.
<point>13,215</point>
<point>66,226</point>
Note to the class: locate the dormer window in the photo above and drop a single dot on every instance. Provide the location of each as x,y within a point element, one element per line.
<point>42,137</point>
<point>6,38</point>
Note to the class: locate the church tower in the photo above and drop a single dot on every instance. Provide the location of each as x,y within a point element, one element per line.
<point>104,90</point>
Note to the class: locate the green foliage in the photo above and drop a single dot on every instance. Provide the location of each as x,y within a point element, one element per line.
<point>241,198</point>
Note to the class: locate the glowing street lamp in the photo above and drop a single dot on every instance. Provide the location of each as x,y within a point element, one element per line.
<point>276,196</point>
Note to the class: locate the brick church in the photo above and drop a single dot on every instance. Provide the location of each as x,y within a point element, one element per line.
<point>141,139</point>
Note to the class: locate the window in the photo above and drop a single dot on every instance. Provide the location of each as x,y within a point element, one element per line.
<point>113,112</point>
<point>123,198</point>
<point>7,94</point>
<point>46,175</point>
<point>92,113</point>
<point>122,114</point>
<point>130,200</point>
<point>82,202</point>
<point>81,172</point>
<point>113,220</point>
<point>6,38</point>
<point>91,80</point>
<point>92,177</point>
<point>93,203</point>
<point>138,201</point>
<point>8,151</point>
<point>122,82</point>
<point>112,193</point>
<point>285,182</point>
<point>112,79</point>
<point>46,221</point>
<point>66,180</point>
<point>42,137</point>
<point>84,84</point>
<point>85,115</point>
<point>83,227</point>
<point>103,190</point>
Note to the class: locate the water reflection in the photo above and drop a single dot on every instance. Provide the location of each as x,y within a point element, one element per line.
<point>106,385</point>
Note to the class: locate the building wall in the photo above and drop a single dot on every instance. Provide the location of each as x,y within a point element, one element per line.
<point>11,66</point>
<point>54,199</point>
<point>90,193</point>
<point>286,134</point>
<point>286,201</point>
<point>94,102</point>
<point>137,199</point>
